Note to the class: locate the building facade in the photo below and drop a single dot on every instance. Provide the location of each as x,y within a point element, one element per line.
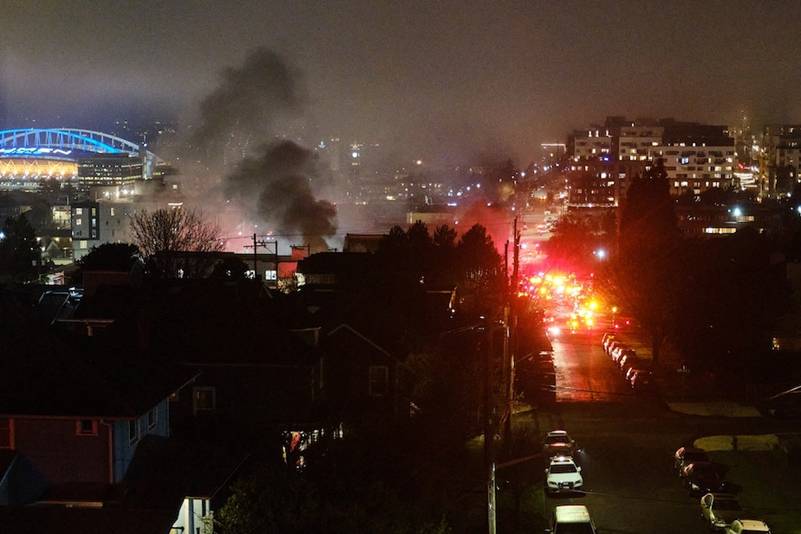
<point>97,222</point>
<point>779,158</point>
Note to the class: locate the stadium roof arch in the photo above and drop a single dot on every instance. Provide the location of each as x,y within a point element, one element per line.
<point>56,142</point>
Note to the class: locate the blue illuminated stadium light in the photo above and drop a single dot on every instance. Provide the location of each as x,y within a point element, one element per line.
<point>70,137</point>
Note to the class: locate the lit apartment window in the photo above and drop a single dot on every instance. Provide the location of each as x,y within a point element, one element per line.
<point>78,221</point>
<point>378,381</point>
<point>86,427</point>
<point>112,212</point>
<point>78,211</point>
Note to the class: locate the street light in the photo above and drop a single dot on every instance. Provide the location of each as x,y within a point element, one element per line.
<point>600,253</point>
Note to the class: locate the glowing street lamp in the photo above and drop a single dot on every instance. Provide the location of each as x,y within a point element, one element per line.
<point>600,253</point>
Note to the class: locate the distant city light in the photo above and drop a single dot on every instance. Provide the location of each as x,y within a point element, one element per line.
<point>554,330</point>
<point>600,253</point>
<point>798,209</point>
<point>737,211</point>
<point>419,162</point>
<point>2,235</point>
<point>354,154</point>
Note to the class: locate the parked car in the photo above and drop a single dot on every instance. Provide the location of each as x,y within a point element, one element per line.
<point>611,344</point>
<point>635,367</point>
<point>719,509</point>
<point>558,443</point>
<point>627,357</point>
<point>608,337</point>
<point>563,475</point>
<point>571,519</point>
<point>617,352</point>
<point>703,477</point>
<point>686,456</point>
<point>747,526</point>
<point>642,381</point>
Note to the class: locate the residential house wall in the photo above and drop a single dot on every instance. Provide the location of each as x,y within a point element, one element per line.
<point>128,434</point>
<point>59,453</point>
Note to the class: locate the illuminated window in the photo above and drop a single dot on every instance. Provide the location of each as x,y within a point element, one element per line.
<point>378,381</point>
<point>78,211</point>
<point>112,212</point>
<point>86,427</point>
<point>78,222</point>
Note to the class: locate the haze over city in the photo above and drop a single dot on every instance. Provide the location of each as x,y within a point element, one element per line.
<point>442,80</point>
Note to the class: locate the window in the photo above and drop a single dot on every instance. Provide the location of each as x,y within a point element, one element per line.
<point>78,211</point>
<point>378,380</point>
<point>112,212</point>
<point>78,221</point>
<point>151,419</point>
<point>203,399</point>
<point>133,433</point>
<point>86,427</point>
<point>6,433</point>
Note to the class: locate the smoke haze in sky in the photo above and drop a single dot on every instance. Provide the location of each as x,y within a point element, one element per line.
<point>439,79</point>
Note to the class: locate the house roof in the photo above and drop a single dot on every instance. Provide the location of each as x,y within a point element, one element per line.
<point>201,321</point>
<point>165,471</point>
<point>61,375</point>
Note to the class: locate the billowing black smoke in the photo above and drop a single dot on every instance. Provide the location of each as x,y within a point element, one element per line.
<point>280,179</point>
<point>272,181</point>
<point>244,108</point>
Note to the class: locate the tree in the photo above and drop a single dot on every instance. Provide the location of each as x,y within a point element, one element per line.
<point>165,231</point>
<point>645,268</point>
<point>479,268</point>
<point>174,230</point>
<point>575,239</point>
<point>20,255</point>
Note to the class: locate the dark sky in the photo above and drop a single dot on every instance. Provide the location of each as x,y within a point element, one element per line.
<point>447,78</point>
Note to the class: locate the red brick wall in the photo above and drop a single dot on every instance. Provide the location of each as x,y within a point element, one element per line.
<point>59,454</point>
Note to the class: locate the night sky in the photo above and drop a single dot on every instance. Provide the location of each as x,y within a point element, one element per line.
<point>445,79</point>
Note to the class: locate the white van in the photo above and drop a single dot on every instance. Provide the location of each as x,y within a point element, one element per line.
<point>572,519</point>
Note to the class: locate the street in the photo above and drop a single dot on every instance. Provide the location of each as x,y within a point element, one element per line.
<point>584,372</point>
<point>627,445</point>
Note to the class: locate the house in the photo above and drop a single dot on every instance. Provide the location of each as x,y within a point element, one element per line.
<point>255,377</point>
<point>360,377</point>
<point>72,413</point>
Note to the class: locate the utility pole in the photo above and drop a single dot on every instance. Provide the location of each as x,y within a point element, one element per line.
<point>510,341</point>
<point>255,258</point>
<point>489,428</point>
<point>263,243</point>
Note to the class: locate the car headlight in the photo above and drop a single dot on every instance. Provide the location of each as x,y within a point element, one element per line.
<point>554,484</point>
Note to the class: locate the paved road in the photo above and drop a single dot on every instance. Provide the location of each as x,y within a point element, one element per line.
<point>627,444</point>
<point>584,373</point>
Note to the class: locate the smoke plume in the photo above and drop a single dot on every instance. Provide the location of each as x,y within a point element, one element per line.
<point>280,180</point>
<point>244,108</point>
<point>271,180</point>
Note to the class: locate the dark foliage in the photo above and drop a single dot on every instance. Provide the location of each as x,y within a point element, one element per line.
<point>20,255</point>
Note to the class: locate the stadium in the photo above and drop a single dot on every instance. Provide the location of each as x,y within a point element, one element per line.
<point>31,156</point>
